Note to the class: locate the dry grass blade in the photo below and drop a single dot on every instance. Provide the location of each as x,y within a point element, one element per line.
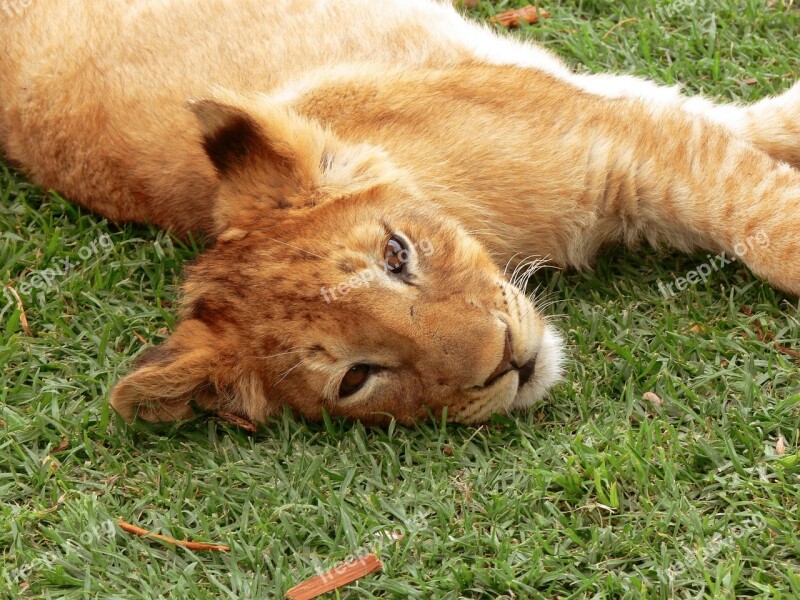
<point>23,318</point>
<point>196,546</point>
<point>766,336</point>
<point>335,578</point>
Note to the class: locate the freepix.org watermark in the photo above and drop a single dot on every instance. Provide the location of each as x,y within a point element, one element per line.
<point>365,277</point>
<point>413,525</point>
<point>39,281</point>
<point>668,10</point>
<point>714,264</point>
<point>13,8</point>
<point>706,554</point>
<point>49,560</point>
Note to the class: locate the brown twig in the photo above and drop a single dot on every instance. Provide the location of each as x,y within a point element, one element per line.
<point>512,18</point>
<point>140,338</point>
<point>238,421</point>
<point>335,578</point>
<point>23,319</point>
<point>197,546</point>
<point>766,336</point>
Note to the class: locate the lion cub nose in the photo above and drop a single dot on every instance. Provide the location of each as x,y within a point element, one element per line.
<point>505,364</point>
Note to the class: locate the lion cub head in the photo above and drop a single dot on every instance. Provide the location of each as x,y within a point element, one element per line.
<point>334,285</point>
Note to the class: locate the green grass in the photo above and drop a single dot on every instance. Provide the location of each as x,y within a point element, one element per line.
<point>598,493</point>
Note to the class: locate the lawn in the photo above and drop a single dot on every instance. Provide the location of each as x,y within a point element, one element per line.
<point>596,493</point>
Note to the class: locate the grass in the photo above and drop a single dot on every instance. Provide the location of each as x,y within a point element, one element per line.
<point>598,493</point>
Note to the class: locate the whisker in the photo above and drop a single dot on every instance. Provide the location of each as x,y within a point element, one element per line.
<point>286,373</point>
<point>505,270</point>
<point>531,265</point>
<point>290,351</point>
<point>512,277</point>
<point>543,306</point>
<point>540,264</point>
<point>526,276</point>
<point>547,297</point>
<point>296,248</point>
<point>523,267</point>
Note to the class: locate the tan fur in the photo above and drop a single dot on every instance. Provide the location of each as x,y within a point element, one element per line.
<point>303,149</point>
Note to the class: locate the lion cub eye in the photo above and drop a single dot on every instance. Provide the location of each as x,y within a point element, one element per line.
<point>354,380</point>
<point>396,255</point>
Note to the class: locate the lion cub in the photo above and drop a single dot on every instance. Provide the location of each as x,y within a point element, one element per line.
<point>367,184</point>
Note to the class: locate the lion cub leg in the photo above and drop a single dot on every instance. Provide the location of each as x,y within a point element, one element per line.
<point>772,124</point>
<point>670,176</point>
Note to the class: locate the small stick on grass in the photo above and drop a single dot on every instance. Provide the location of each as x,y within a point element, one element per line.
<point>335,578</point>
<point>512,18</point>
<point>238,421</point>
<point>196,546</point>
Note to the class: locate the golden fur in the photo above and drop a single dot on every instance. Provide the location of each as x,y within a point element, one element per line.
<point>303,149</point>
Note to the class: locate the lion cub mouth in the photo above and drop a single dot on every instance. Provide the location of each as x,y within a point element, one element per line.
<point>529,367</point>
<point>525,373</point>
<point>542,372</point>
<point>536,348</point>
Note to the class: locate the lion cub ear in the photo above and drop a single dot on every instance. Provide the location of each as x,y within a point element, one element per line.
<point>236,139</point>
<point>191,367</point>
<point>263,149</point>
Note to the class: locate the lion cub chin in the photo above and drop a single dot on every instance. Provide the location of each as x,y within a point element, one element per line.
<point>335,286</point>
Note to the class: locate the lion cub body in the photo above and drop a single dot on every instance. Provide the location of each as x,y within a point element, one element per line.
<point>465,109</point>
<point>123,71</point>
<point>308,136</point>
